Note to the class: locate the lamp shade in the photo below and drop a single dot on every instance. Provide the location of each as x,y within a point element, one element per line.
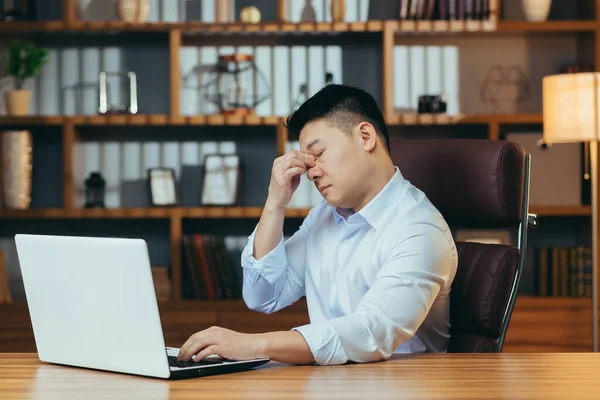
<point>571,109</point>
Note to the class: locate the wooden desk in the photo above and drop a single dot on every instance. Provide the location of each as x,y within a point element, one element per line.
<point>448,376</point>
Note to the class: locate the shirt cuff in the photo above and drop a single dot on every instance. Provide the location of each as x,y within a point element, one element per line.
<point>271,266</point>
<point>324,343</point>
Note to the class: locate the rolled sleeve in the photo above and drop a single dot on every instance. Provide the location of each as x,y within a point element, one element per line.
<point>324,343</point>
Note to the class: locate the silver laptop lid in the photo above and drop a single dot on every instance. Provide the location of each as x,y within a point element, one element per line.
<point>92,303</point>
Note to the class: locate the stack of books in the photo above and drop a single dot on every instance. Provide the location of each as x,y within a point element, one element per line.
<point>209,270</point>
<point>453,10</point>
<point>563,271</point>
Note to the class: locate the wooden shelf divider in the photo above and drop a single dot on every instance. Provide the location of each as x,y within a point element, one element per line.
<point>176,248</point>
<point>69,135</point>
<point>561,211</point>
<point>174,74</point>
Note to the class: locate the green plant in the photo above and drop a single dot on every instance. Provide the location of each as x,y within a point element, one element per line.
<point>24,61</point>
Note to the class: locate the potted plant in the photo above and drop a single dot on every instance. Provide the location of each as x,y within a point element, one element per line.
<point>24,61</point>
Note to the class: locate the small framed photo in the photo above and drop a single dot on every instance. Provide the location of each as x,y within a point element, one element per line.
<point>163,189</point>
<point>221,182</point>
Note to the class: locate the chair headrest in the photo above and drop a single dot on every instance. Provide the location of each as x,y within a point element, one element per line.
<point>474,183</point>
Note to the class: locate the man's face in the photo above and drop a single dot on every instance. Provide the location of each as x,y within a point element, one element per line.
<point>337,170</point>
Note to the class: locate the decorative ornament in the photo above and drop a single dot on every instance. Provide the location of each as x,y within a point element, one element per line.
<point>250,15</point>
<point>308,12</point>
<point>236,85</point>
<point>503,88</point>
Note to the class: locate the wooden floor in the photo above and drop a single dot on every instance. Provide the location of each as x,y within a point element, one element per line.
<point>537,325</point>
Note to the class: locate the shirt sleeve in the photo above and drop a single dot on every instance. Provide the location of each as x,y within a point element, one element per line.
<point>413,272</point>
<point>277,279</point>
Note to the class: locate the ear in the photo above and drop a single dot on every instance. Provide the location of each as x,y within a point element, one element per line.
<point>368,136</point>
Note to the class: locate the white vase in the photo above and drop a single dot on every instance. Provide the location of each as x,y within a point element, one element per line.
<point>133,10</point>
<point>16,169</point>
<point>536,10</point>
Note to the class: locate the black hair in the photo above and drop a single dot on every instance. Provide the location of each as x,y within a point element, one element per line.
<point>341,106</point>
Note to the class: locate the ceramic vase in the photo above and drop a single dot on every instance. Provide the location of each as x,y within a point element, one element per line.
<point>133,10</point>
<point>222,11</point>
<point>536,10</point>
<point>338,10</point>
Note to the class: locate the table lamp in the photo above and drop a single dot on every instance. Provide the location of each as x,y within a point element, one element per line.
<point>571,113</point>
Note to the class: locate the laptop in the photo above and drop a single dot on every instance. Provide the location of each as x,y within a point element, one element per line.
<point>93,304</point>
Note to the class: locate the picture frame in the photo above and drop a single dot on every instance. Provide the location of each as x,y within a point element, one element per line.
<point>105,107</point>
<point>221,182</point>
<point>162,187</point>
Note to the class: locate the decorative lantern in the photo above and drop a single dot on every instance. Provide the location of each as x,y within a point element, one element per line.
<point>236,85</point>
<point>95,187</point>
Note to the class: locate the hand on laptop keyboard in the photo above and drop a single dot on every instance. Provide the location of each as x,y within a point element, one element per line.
<point>174,362</point>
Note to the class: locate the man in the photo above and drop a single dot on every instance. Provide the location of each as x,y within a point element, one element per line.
<point>375,259</point>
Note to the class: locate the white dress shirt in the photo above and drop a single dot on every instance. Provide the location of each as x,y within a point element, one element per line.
<point>376,282</point>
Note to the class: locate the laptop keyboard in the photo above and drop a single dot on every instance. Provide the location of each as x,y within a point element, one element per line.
<point>174,362</point>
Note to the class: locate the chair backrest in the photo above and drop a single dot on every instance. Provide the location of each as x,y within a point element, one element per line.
<point>475,183</point>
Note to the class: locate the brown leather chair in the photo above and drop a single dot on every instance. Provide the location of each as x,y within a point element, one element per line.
<point>476,184</point>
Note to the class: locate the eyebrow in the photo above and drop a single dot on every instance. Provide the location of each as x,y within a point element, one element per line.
<point>311,144</point>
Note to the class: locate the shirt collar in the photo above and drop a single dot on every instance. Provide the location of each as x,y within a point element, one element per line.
<point>374,212</point>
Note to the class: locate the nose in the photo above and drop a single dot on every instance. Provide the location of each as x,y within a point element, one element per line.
<point>314,173</point>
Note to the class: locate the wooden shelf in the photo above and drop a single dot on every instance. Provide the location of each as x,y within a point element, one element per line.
<point>442,26</point>
<point>32,120</point>
<point>400,27</point>
<point>32,26</point>
<point>444,119</point>
<point>149,212</point>
<point>218,119</point>
<point>547,26</point>
<point>143,120</point>
<point>501,119</point>
<point>192,27</point>
<point>283,27</point>
<point>560,211</point>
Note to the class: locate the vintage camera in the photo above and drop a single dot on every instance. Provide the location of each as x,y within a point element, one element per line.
<point>432,104</point>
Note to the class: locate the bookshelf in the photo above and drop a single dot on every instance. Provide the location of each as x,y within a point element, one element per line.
<point>380,34</point>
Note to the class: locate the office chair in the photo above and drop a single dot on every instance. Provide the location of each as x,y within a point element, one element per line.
<point>476,184</point>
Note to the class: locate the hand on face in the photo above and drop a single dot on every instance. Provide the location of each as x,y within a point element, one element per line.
<point>222,342</point>
<point>285,176</point>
